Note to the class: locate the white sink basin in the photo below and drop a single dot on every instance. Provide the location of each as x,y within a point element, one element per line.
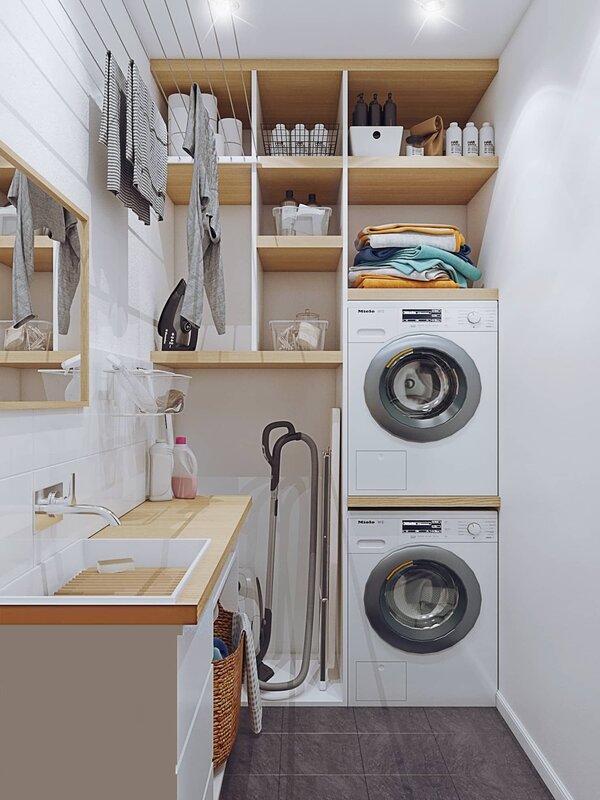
<point>37,586</point>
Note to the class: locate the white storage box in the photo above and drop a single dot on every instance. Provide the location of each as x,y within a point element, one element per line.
<point>33,335</point>
<point>298,334</point>
<point>369,141</point>
<point>302,220</point>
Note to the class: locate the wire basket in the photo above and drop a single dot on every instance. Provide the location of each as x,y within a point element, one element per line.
<point>299,140</point>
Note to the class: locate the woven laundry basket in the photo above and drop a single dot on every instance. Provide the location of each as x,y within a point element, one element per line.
<point>227,690</point>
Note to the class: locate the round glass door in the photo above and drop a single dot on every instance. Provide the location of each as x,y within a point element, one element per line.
<point>422,599</point>
<point>422,388</point>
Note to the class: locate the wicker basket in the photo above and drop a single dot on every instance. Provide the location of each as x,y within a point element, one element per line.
<point>227,690</point>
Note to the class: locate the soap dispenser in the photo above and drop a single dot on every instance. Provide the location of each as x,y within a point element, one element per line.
<point>375,112</point>
<point>389,111</point>
<point>360,115</point>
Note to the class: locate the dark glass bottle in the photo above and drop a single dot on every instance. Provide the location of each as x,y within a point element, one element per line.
<point>375,112</point>
<point>360,115</point>
<point>389,111</point>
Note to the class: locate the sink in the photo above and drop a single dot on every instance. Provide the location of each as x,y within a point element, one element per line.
<point>38,585</point>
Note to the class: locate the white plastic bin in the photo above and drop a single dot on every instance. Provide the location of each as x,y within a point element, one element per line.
<point>34,335</point>
<point>366,140</point>
<point>301,221</point>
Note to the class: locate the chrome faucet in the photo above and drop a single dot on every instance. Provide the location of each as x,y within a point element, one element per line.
<point>53,503</point>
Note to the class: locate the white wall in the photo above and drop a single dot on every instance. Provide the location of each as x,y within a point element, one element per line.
<point>540,249</point>
<point>50,104</point>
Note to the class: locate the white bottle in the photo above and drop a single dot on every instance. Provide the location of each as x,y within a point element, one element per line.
<point>161,471</point>
<point>454,140</point>
<point>470,140</point>
<point>300,140</point>
<point>185,470</point>
<point>487,143</point>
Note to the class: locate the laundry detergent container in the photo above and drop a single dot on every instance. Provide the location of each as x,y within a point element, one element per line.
<point>366,140</point>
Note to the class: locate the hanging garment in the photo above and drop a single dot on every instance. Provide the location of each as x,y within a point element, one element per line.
<point>113,134</point>
<point>146,142</point>
<point>203,225</point>
<point>241,623</point>
<point>36,209</point>
<point>364,236</point>
<point>432,131</point>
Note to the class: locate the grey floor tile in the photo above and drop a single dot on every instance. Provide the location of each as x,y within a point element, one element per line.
<point>466,720</point>
<point>401,754</point>
<point>271,720</point>
<point>320,754</point>
<point>318,720</point>
<point>323,787</point>
<point>255,755</point>
<point>515,783</point>
<point>391,720</point>
<point>411,787</point>
<point>471,753</point>
<point>250,787</point>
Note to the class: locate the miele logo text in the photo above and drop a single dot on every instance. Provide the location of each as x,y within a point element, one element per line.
<point>366,310</point>
<point>366,522</point>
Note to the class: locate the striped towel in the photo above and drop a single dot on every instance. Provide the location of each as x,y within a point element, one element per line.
<point>119,174</point>
<point>242,623</point>
<point>146,142</point>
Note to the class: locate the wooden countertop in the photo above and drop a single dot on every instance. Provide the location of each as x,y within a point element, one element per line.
<point>219,518</point>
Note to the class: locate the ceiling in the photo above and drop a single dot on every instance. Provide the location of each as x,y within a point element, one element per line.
<point>327,28</point>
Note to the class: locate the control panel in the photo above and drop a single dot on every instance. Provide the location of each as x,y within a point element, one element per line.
<point>378,322</point>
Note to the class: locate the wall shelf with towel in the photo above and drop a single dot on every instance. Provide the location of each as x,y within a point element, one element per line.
<point>235,177</point>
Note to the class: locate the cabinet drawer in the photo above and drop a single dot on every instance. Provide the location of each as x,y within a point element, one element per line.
<point>195,764</point>
<point>194,657</point>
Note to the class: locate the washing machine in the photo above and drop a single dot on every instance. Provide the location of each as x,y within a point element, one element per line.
<point>422,608</point>
<point>422,398</point>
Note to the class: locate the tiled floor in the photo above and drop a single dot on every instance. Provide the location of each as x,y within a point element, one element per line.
<point>380,754</point>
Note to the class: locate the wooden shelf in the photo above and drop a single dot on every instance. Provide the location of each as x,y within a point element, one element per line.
<point>319,174</point>
<point>424,502</point>
<point>7,171</point>
<point>300,95</point>
<point>422,88</point>
<point>423,294</point>
<point>235,180</point>
<point>39,359</point>
<point>258,359</point>
<point>42,255</point>
<point>299,253</point>
<point>418,180</point>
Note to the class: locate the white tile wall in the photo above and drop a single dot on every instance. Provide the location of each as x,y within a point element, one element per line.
<point>131,271</point>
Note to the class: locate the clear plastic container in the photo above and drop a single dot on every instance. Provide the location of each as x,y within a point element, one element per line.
<point>33,335</point>
<point>60,385</point>
<point>301,221</point>
<point>152,391</point>
<point>306,332</point>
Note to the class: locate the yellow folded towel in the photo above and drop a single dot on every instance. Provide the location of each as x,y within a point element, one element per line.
<point>410,227</point>
<point>367,281</point>
<point>433,131</point>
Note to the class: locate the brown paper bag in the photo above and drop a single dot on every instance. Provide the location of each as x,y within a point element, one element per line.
<point>433,131</point>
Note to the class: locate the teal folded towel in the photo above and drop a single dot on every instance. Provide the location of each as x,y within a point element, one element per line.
<point>417,259</point>
<point>217,654</point>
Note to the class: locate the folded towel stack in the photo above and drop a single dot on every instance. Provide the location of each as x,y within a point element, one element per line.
<point>409,256</point>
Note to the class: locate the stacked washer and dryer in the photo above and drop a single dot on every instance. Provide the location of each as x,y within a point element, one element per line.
<point>422,423</point>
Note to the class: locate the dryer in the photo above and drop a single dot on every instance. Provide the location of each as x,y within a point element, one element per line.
<point>422,398</point>
<point>422,608</point>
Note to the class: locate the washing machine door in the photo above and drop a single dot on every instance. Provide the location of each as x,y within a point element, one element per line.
<point>422,387</point>
<point>422,599</point>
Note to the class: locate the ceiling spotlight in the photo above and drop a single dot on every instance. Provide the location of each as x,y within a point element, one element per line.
<point>225,6</point>
<point>432,6</point>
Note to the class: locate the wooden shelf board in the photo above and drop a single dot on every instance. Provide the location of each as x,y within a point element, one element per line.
<point>420,180</point>
<point>299,253</point>
<point>7,171</point>
<point>423,294</point>
<point>258,359</point>
<point>422,88</point>
<point>424,502</point>
<point>38,359</point>
<point>304,174</point>
<point>42,254</point>
<point>300,96</point>
<point>235,181</point>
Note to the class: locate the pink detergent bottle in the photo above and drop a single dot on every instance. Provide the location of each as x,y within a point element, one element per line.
<point>185,470</point>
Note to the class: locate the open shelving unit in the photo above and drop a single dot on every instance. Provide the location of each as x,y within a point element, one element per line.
<point>299,253</point>
<point>235,180</point>
<point>254,359</point>
<point>43,254</point>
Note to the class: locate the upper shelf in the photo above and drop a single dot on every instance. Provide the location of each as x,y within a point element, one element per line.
<point>42,255</point>
<point>423,294</point>
<point>235,180</point>
<point>255,359</point>
<point>319,174</point>
<point>299,253</point>
<point>34,359</point>
<point>417,180</point>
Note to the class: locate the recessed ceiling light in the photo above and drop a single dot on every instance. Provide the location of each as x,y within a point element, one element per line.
<point>432,6</point>
<point>225,6</point>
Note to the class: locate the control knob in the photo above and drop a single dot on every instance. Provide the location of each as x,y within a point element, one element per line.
<point>474,528</point>
<point>474,317</point>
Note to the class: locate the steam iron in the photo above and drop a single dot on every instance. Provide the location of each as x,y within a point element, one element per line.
<point>175,331</point>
